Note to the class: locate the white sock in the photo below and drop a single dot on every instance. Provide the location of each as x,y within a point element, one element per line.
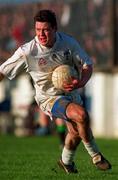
<point>91,147</point>
<point>67,156</point>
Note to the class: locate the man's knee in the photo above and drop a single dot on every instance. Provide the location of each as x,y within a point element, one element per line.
<point>77,113</point>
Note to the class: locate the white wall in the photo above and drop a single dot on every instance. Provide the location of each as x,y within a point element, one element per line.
<point>115,105</point>
<point>104,105</point>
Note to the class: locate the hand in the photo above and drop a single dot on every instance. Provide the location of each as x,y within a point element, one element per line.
<point>71,85</point>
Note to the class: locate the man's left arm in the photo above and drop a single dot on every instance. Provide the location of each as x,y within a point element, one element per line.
<point>79,83</point>
<point>83,64</point>
<point>85,75</point>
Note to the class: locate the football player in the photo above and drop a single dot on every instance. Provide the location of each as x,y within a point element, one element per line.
<point>39,58</point>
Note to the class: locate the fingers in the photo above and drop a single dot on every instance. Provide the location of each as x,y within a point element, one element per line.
<point>71,85</point>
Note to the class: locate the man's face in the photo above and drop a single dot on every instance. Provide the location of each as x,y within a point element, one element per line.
<point>45,33</point>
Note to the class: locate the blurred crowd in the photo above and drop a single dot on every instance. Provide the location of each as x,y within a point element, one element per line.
<point>88,21</point>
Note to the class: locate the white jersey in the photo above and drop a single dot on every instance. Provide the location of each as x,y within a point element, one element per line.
<point>40,61</point>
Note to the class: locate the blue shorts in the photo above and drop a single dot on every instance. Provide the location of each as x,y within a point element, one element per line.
<point>59,107</point>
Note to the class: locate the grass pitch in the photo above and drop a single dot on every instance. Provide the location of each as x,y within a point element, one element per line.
<point>35,158</point>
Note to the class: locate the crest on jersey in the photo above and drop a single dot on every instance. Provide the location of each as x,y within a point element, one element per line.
<point>42,61</point>
<point>67,54</point>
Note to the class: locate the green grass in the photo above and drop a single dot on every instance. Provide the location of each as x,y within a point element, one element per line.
<point>35,158</point>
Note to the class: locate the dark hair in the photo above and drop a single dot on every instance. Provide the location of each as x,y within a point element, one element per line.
<point>46,16</point>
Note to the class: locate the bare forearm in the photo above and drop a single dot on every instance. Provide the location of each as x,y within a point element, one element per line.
<point>75,84</point>
<point>86,75</point>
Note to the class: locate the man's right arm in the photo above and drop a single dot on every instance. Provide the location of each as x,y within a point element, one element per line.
<point>1,76</point>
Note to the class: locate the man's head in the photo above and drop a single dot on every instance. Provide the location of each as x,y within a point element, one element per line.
<point>45,27</point>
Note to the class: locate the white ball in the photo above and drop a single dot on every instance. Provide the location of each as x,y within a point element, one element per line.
<point>63,73</point>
